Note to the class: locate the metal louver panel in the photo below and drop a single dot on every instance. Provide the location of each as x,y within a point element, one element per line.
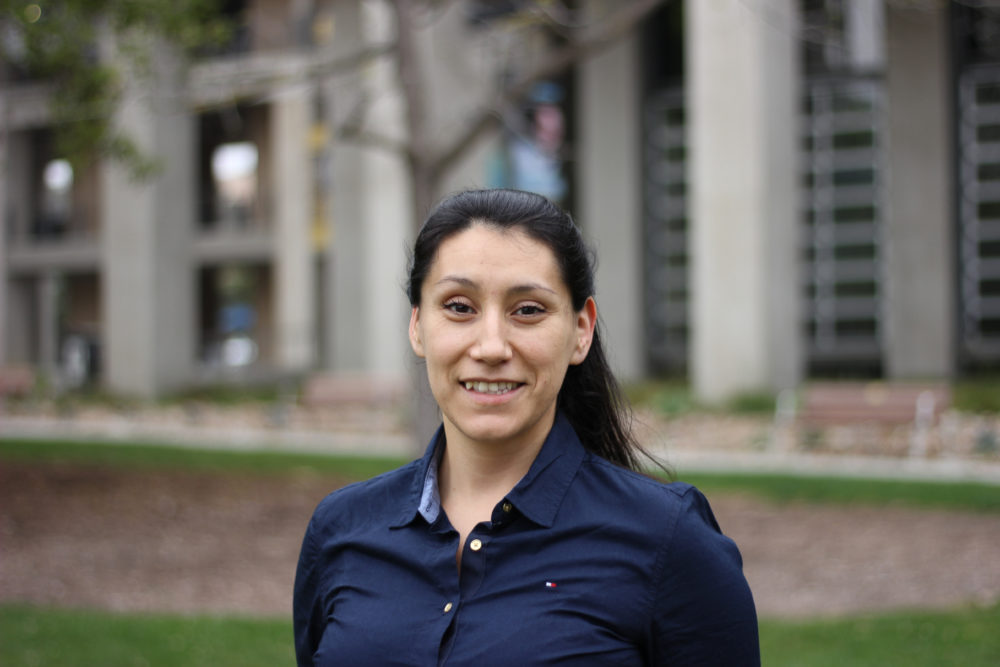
<point>979,207</point>
<point>665,233</point>
<point>843,199</point>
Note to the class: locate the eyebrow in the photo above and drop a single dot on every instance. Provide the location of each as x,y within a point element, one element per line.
<point>516,289</point>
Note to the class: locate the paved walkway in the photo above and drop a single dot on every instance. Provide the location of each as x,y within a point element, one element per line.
<point>878,467</point>
<point>369,443</point>
<point>373,442</point>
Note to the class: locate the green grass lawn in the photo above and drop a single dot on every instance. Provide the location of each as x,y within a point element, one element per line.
<point>36,636</point>
<point>959,496</point>
<point>968,637</point>
<point>61,637</point>
<point>151,455</point>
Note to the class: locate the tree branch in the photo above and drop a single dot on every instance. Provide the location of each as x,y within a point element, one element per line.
<point>410,79</point>
<point>357,135</point>
<point>219,81</point>
<point>591,42</point>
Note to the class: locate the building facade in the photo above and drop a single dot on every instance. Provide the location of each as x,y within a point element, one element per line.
<point>776,189</point>
<point>859,138</point>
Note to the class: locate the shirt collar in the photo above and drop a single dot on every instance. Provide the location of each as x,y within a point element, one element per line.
<point>537,496</point>
<point>430,495</point>
<point>423,498</point>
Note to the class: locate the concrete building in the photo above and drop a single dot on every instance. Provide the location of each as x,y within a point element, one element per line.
<point>777,189</point>
<point>831,213</point>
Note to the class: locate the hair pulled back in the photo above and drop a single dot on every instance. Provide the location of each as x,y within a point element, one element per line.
<point>590,396</point>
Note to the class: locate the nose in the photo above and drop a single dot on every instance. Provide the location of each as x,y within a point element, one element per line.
<point>491,345</point>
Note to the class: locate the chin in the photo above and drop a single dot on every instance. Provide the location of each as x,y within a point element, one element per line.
<point>498,428</point>
<point>486,430</point>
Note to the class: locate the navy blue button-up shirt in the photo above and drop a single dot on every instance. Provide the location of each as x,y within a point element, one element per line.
<point>582,563</point>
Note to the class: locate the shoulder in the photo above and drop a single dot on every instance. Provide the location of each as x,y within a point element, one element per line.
<point>378,499</point>
<point>642,494</point>
<point>676,516</point>
<point>701,609</point>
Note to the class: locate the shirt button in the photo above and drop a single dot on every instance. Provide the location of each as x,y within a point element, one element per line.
<point>476,545</point>
<point>447,608</point>
<point>507,507</point>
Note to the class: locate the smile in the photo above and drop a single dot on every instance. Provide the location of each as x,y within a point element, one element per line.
<point>491,387</point>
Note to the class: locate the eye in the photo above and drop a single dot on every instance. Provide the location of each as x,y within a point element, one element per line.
<point>529,310</point>
<point>458,307</point>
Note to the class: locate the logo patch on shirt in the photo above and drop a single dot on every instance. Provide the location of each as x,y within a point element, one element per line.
<point>550,584</point>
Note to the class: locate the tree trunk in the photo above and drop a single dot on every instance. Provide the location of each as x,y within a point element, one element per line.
<point>425,182</point>
<point>427,416</point>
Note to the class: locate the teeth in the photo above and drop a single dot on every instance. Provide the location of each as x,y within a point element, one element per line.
<point>490,387</point>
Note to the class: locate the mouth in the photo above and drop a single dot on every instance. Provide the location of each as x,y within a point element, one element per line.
<point>493,388</point>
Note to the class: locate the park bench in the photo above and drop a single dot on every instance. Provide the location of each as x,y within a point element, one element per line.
<point>16,381</point>
<point>873,402</point>
<point>349,401</point>
<point>872,405</point>
<point>336,389</point>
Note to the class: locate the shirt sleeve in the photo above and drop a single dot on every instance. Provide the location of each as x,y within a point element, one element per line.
<point>307,604</point>
<point>703,612</point>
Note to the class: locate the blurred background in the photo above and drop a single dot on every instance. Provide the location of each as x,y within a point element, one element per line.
<point>207,204</point>
<point>777,190</point>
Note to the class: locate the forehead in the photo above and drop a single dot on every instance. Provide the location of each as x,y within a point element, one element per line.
<point>489,252</point>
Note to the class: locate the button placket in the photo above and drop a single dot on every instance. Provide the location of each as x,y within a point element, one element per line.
<point>473,563</point>
<point>502,514</point>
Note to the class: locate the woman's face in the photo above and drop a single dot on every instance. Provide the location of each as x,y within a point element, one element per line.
<point>497,328</point>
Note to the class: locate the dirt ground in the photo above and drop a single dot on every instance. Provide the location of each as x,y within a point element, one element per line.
<point>163,540</point>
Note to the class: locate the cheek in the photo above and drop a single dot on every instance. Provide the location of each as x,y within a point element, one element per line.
<point>551,352</point>
<point>442,345</point>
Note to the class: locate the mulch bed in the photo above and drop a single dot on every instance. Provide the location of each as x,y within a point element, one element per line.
<point>210,542</point>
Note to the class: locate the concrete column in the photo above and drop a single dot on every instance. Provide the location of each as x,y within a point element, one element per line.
<point>918,308</point>
<point>345,346</point>
<point>371,215</point>
<point>146,237</point>
<point>743,182</point>
<point>864,34</point>
<point>18,319</point>
<point>294,268</point>
<point>389,231</point>
<point>18,188</point>
<point>609,186</point>
<point>346,343</point>
<point>48,325</point>
<point>20,323</point>
<point>347,303</point>
<point>4,274</point>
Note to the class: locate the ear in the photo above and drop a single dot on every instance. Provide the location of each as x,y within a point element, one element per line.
<point>415,342</point>
<point>586,320</point>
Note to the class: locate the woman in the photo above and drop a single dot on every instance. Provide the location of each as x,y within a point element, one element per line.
<point>526,535</point>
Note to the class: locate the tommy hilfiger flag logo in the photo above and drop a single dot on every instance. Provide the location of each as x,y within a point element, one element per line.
<point>550,584</point>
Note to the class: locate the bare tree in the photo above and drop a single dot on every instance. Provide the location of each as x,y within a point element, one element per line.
<point>428,164</point>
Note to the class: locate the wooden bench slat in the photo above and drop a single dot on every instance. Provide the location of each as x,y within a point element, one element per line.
<point>336,389</point>
<point>16,380</point>
<point>886,403</point>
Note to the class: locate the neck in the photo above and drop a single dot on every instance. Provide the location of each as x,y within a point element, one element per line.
<point>483,472</point>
